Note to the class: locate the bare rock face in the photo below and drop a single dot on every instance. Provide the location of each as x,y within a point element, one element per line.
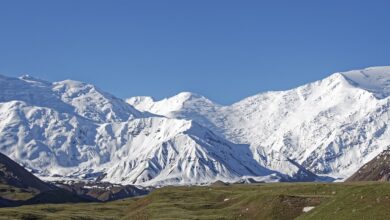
<point>20,187</point>
<point>102,191</point>
<point>11,173</point>
<point>14,179</point>
<point>378,169</point>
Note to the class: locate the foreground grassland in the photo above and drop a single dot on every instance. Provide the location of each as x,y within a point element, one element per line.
<point>13,193</point>
<point>263,201</point>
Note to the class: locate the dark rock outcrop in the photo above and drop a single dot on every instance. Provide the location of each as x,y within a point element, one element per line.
<point>378,169</point>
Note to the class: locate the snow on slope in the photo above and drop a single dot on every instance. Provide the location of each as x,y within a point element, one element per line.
<point>72,130</point>
<point>92,103</point>
<point>375,80</point>
<point>67,96</point>
<point>162,151</point>
<point>331,127</point>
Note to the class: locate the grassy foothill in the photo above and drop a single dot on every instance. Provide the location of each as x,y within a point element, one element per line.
<point>363,200</point>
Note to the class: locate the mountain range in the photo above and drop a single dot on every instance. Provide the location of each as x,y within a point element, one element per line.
<point>321,131</point>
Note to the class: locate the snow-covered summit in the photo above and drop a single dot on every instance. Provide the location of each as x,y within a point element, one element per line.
<point>93,103</point>
<point>373,79</point>
<point>169,105</point>
<point>67,96</point>
<point>29,78</point>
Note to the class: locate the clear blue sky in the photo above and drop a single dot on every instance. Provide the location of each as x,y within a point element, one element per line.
<point>225,50</point>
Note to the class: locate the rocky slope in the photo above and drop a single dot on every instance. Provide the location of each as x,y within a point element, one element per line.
<point>20,187</point>
<point>102,191</point>
<point>378,169</point>
<point>13,174</point>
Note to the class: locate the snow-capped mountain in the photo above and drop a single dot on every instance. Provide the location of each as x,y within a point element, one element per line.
<point>73,130</point>
<point>330,127</point>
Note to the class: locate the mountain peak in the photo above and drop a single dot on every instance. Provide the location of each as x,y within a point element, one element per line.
<point>29,78</point>
<point>187,95</point>
<point>93,103</point>
<point>373,79</point>
<point>184,97</point>
<point>169,105</point>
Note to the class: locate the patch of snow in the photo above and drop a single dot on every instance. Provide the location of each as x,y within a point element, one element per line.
<point>308,208</point>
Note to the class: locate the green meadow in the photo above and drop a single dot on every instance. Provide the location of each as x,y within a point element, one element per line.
<point>363,200</point>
